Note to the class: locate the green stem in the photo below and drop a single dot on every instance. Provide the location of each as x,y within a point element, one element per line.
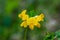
<point>54,38</point>
<point>25,34</point>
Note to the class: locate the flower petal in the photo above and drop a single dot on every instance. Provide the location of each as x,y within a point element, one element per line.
<point>24,24</point>
<point>31,27</point>
<point>38,25</point>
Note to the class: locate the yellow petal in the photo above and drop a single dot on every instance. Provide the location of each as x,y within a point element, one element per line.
<point>25,17</point>
<point>38,25</point>
<point>31,27</point>
<point>40,17</point>
<point>24,24</point>
<point>31,20</point>
<point>22,13</point>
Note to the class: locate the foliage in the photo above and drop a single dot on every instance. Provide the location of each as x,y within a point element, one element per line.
<point>10,28</point>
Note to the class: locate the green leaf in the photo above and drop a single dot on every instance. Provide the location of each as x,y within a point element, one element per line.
<point>57,33</point>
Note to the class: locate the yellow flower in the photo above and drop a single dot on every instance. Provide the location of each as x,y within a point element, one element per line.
<point>40,17</point>
<point>23,15</point>
<point>24,24</point>
<point>30,21</point>
<point>38,25</point>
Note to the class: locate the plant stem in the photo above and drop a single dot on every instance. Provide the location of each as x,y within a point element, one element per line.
<point>25,34</point>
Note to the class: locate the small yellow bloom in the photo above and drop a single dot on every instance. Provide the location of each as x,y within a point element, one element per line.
<point>23,15</point>
<point>30,21</point>
<point>31,26</point>
<point>24,24</point>
<point>33,22</point>
<point>40,17</point>
<point>38,25</point>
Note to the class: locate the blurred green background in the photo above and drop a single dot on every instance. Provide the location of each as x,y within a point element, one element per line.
<point>10,23</point>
